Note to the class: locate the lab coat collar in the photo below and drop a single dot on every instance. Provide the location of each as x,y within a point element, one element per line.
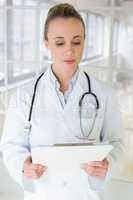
<point>74,96</point>
<point>55,81</point>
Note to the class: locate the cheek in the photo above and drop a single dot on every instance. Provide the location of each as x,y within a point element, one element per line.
<point>79,52</point>
<point>55,53</point>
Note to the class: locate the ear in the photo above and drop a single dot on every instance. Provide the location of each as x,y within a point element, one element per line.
<point>46,44</point>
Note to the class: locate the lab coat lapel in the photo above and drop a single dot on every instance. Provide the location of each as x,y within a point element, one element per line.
<point>73,99</point>
<point>70,114</point>
<point>75,95</point>
<point>52,95</point>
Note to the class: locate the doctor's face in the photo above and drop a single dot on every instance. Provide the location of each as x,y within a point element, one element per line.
<point>65,41</point>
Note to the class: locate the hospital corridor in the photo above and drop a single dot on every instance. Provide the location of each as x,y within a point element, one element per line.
<point>107,60</point>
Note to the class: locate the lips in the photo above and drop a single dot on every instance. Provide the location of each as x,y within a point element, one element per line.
<point>70,61</point>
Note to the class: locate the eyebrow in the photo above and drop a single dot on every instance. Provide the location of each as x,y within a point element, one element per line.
<point>76,36</point>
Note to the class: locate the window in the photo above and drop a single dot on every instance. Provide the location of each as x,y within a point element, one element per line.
<point>2,47</point>
<point>1,36</point>
<point>115,36</point>
<point>20,53</point>
<point>21,35</point>
<point>44,52</point>
<point>84,16</point>
<point>2,2</point>
<point>95,35</point>
<point>100,35</point>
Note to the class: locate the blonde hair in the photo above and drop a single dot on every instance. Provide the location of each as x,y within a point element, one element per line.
<point>63,10</point>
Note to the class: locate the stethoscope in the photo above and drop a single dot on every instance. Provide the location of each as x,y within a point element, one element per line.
<point>93,103</point>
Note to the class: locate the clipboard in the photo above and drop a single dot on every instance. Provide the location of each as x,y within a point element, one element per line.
<point>65,157</point>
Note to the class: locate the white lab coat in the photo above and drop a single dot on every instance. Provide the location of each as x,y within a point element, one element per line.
<point>52,124</point>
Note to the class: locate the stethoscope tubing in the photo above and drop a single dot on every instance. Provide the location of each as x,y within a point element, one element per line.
<point>80,103</point>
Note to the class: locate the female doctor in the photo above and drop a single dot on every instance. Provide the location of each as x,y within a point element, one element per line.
<point>64,105</point>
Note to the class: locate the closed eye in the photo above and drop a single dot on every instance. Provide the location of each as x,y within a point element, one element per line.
<point>62,43</point>
<point>59,44</point>
<point>76,43</point>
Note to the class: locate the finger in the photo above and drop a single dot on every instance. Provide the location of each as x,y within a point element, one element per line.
<point>93,170</point>
<point>96,163</point>
<point>36,174</point>
<point>90,170</point>
<point>39,170</point>
<point>83,165</point>
<point>103,164</point>
<point>36,171</point>
<point>38,167</point>
<point>96,171</point>
<point>87,168</point>
<point>100,172</point>
<point>32,175</point>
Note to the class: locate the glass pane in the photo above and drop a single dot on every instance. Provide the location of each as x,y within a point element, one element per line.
<point>23,42</point>
<point>95,35</point>
<point>17,2</point>
<point>1,35</point>
<point>45,55</point>
<point>84,16</point>
<point>91,36</point>
<point>115,36</point>
<point>24,2</point>
<point>2,2</point>
<point>2,48</point>
<point>24,35</point>
<point>20,71</point>
<point>126,45</point>
<point>30,2</point>
<point>30,39</point>
<point>100,35</point>
<point>1,74</point>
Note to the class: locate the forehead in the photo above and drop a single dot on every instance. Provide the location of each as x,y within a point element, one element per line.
<point>65,27</point>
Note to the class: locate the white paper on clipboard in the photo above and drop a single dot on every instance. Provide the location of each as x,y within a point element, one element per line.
<point>65,158</point>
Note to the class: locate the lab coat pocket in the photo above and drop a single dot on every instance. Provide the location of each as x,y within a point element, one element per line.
<point>44,128</point>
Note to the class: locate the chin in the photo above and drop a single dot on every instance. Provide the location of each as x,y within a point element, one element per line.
<point>71,66</point>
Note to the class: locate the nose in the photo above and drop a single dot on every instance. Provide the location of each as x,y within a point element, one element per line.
<point>69,50</point>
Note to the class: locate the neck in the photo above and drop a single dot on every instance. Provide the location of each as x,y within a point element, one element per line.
<point>63,75</point>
